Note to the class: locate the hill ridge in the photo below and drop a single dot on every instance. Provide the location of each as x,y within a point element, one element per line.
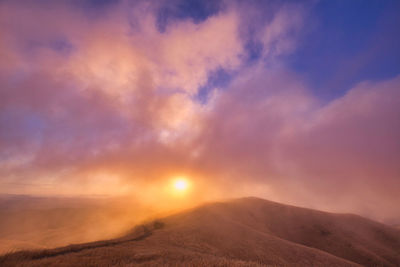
<point>239,232</point>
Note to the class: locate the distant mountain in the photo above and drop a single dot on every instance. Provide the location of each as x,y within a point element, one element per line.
<point>241,232</point>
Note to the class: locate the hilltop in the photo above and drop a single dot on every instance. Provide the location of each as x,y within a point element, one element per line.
<point>240,232</point>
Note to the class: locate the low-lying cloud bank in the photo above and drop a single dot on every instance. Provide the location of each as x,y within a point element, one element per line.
<point>108,103</point>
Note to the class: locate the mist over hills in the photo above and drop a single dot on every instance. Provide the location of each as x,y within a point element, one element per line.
<point>131,130</point>
<point>32,222</point>
<point>239,232</point>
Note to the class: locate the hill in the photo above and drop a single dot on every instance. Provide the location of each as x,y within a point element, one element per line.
<point>32,222</point>
<point>241,232</point>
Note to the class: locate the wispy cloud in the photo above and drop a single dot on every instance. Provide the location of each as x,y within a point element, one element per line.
<point>107,103</point>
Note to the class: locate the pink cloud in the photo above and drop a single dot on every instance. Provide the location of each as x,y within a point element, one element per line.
<point>341,155</point>
<point>118,112</point>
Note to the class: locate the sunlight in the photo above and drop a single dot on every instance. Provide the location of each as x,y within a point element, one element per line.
<point>180,185</point>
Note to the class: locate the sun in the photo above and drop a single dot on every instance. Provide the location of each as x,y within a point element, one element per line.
<point>181,184</point>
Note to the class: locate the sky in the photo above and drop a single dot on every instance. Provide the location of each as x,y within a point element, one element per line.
<point>293,101</point>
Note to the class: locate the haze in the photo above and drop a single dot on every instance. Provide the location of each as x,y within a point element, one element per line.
<point>151,107</point>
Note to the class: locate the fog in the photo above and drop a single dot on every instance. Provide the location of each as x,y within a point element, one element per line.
<point>101,107</point>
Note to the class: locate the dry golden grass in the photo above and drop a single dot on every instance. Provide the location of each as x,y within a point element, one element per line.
<point>244,232</point>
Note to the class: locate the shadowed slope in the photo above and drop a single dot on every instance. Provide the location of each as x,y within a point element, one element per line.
<point>243,232</point>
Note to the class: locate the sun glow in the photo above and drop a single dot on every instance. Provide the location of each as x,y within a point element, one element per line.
<point>181,184</point>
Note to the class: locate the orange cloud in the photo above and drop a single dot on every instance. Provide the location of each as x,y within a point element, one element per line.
<point>116,112</point>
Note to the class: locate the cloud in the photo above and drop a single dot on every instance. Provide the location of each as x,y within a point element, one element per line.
<point>107,104</point>
<point>338,155</point>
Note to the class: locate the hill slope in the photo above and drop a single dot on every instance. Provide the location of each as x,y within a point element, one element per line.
<point>242,232</point>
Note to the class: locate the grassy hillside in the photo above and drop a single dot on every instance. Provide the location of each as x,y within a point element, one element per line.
<point>243,232</point>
